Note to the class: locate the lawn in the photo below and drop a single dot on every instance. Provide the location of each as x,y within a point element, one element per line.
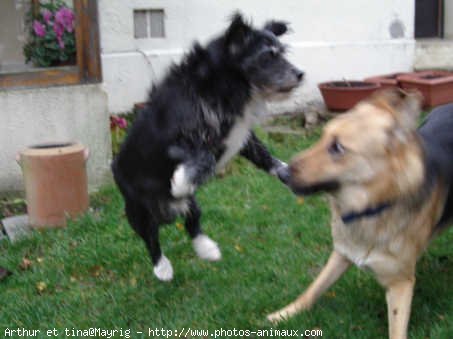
<point>96,272</point>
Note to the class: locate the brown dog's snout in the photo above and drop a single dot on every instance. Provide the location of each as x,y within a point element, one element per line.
<point>292,169</point>
<point>295,167</point>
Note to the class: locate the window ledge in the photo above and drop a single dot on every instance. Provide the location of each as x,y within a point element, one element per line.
<point>434,41</point>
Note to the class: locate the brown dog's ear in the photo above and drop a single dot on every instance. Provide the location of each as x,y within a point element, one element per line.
<point>403,105</point>
<point>411,106</point>
<point>396,136</point>
<point>276,27</point>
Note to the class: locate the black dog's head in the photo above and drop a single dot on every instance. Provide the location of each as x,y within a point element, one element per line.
<point>260,55</point>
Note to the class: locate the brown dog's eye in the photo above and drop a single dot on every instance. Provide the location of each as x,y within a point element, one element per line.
<point>336,148</point>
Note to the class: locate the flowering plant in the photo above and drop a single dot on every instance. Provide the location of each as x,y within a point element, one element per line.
<point>118,128</point>
<point>51,40</point>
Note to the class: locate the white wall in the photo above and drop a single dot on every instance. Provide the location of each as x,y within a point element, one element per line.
<point>55,114</point>
<point>331,39</point>
<point>434,54</point>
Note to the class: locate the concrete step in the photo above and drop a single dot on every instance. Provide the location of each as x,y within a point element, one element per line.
<point>16,227</point>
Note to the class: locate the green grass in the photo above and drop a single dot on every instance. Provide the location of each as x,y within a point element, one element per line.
<point>96,272</point>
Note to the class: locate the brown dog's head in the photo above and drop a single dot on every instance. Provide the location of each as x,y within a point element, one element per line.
<point>370,153</point>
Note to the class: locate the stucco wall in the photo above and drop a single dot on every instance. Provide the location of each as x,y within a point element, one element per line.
<point>34,116</point>
<point>330,40</point>
<point>434,54</point>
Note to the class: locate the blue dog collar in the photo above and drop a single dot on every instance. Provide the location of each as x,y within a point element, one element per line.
<point>368,213</point>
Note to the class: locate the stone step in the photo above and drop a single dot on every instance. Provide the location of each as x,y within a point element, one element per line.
<point>16,227</point>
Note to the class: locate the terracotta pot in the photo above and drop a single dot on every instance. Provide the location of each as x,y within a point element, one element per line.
<point>386,80</point>
<point>343,95</point>
<point>55,182</point>
<point>435,86</point>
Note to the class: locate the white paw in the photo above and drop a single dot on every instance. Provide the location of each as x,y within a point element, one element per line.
<point>280,164</point>
<point>206,248</point>
<point>180,183</point>
<point>277,317</point>
<point>163,270</point>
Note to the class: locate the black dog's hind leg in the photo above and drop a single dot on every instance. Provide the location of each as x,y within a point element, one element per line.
<point>204,246</point>
<point>193,219</point>
<point>142,222</point>
<point>257,153</point>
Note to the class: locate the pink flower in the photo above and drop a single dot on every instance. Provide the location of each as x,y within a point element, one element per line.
<point>122,123</point>
<point>39,28</point>
<point>60,43</point>
<point>116,121</point>
<point>65,17</point>
<point>58,29</point>
<point>47,15</point>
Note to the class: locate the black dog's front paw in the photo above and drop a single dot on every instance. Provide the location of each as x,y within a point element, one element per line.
<point>281,170</point>
<point>202,167</point>
<point>283,174</point>
<point>194,167</point>
<point>199,164</point>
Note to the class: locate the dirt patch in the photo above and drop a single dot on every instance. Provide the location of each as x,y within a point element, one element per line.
<point>345,84</point>
<point>10,207</point>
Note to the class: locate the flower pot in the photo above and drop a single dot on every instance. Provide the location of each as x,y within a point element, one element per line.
<point>435,86</point>
<point>55,182</point>
<point>343,95</point>
<point>386,80</point>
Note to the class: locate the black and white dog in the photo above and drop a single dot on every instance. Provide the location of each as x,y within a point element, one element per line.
<point>194,122</point>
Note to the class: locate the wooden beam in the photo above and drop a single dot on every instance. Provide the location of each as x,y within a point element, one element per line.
<point>80,36</point>
<point>35,7</point>
<point>94,69</point>
<point>88,37</point>
<point>49,77</point>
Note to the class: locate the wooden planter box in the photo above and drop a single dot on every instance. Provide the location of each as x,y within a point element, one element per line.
<point>343,95</point>
<point>435,86</point>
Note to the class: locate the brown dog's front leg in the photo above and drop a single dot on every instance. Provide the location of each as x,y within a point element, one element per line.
<point>399,299</point>
<point>334,269</point>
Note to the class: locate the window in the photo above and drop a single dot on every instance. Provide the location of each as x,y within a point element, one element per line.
<point>86,67</point>
<point>12,34</point>
<point>429,18</point>
<point>149,23</point>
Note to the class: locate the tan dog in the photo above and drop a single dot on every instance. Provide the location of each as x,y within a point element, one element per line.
<point>389,188</point>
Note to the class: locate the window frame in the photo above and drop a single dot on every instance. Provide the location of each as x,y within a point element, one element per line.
<point>88,61</point>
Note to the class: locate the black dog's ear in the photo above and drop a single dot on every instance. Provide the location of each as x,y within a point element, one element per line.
<point>237,34</point>
<point>276,27</point>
